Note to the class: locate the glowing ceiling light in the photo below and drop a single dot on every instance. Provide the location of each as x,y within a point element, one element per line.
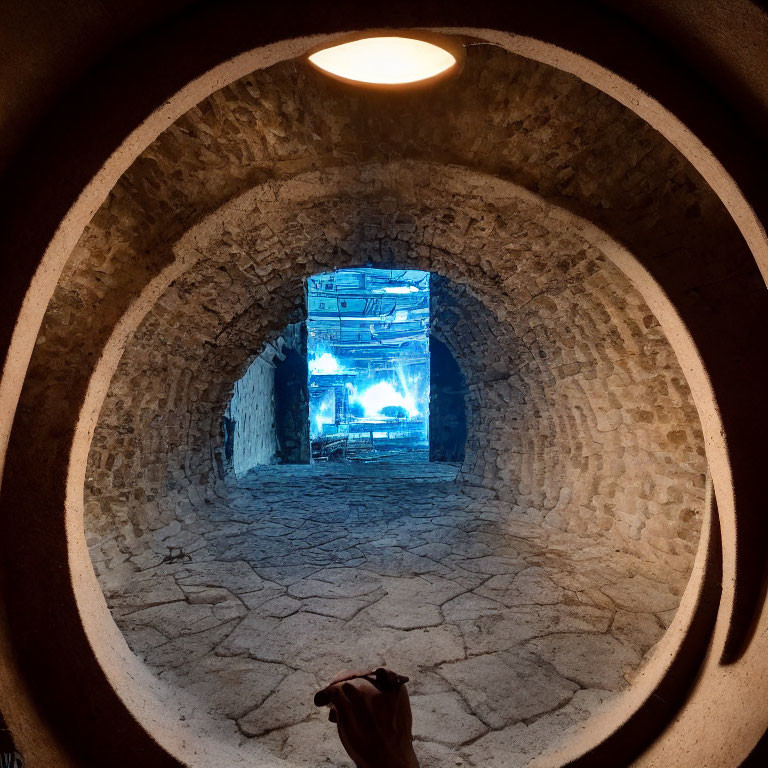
<point>385,60</point>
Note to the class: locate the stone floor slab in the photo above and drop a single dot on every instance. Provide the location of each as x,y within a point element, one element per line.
<point>504,688</point>
<point>304,571</point>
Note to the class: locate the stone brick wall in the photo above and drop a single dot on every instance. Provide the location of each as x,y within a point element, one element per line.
<point>266,419</point>
<point>579,416</point>
<point>251,414</point>
<point>297,175</point>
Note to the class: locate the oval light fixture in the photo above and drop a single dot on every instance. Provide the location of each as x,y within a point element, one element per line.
<point>387,60</point>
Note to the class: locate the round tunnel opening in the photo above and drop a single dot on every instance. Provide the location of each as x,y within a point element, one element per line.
<point>572,441</point>
<point>713,233</point>
<point>284,573</point>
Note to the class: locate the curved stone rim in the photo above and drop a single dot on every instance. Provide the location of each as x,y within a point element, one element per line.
<point>72,225</point>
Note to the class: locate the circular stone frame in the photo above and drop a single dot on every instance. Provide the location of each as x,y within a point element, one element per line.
<point>127,694</point>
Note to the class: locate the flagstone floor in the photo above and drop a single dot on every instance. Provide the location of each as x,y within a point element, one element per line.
<point>512,634</point>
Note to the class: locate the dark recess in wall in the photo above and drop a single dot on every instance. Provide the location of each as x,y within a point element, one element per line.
<point>292,403</point>
<point>447,405</point>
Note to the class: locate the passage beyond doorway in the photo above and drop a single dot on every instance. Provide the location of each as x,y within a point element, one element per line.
<point>368,354</point>
<point>362,376</point>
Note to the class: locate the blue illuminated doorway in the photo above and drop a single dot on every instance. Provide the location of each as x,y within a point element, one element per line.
<point>369,363</point>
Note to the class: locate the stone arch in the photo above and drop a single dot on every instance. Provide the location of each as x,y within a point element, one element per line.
<point>688,312</point>
<point>206,239</point>
<point>210,322</point>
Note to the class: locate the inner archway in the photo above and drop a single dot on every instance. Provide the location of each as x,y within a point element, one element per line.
<point>355,381</point>
<point>532,567</point>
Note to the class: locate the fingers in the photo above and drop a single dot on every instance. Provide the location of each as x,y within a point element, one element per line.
<point>328,696</point>
<point>371,711</point>
<point>383,677</point>
<point>345,696</point>
<point>387,680</point>
<point>349,674</point>
<point>347,703</point>
<point>323,697</point>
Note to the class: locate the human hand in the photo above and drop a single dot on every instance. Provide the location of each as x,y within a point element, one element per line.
<point>372,712</point>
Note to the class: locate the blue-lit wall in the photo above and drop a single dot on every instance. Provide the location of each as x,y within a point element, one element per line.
<point>368,354</point>
<point>251,418</point>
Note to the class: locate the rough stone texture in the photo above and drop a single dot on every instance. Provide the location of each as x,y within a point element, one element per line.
<point>519,744</point>
<point>606,438</point>
<point>266,420</point>
<point>579,414</point>
<point>577,409</point>
<point>251,413</point>
<point>554,446</point>
<point>506,628</point>
<point>584,432</point>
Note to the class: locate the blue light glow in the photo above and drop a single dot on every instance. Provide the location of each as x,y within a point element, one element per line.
<point>325,364</point>
<point>382,395</point>
<point>368,355</point>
